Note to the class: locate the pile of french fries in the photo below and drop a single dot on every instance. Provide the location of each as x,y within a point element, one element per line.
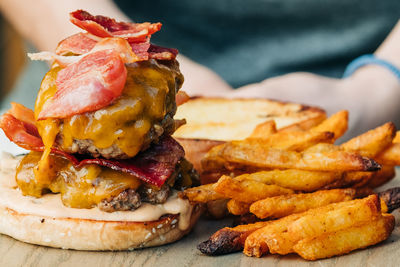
<point>311,197</point>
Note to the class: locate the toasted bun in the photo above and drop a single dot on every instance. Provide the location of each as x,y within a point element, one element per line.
<point>83,234</point>
<point>223,119</point>
<point>212,121</point>
<point>46,221</point>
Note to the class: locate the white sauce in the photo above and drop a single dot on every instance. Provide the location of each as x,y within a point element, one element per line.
<point>50,205</point>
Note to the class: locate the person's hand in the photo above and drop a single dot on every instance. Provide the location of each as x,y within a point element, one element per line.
<point>371,94</point>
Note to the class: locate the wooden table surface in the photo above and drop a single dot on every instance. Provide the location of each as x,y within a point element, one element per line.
<point>184,252</point>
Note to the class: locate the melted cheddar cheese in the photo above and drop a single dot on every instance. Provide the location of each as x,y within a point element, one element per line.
<point>79,188</point>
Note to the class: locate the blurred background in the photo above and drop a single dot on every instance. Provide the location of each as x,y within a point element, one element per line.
<point>286,50</point>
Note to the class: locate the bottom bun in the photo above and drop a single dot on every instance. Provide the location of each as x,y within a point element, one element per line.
<point>84,234</point>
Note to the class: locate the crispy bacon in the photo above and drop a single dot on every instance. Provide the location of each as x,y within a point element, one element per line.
<point>78,44</point>
<point>154,166</point>
<point>162,53</point>
<point>21,133</point>
<point>87,85</point>
<point>106,27</point>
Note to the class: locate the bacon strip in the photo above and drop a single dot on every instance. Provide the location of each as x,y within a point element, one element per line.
<point>154,166</point>
<point>87,85</point>
<point>106,27</point>
<point>78,44</point>
<point>21,133</point>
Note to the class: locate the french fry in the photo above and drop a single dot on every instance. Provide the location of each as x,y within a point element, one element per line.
<point>246,190</point>
<point>212,160</point>
<point>371,143</point>
<point>396,139</point>
<point>280,206</point>
<point>264,129</point>
<point>391,155</point>
<point>238,208</point>
<point>203,194</point>
<point>298,180</point>
<point>258,242</point>
<point>305,125</point>
<point>262,157</point>
<point>344,215</point>
<point>337,124</point>
<point>292,141</point>
<point>391,198</point>
<point>278,237</point>
<point>228,240</point>
<point>382,176</point>
<point>345,240</point>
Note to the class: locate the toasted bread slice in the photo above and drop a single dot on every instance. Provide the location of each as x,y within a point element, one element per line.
<point>222,119</point>
<point>212,121</point>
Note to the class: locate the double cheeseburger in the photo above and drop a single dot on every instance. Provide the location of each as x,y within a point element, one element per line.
<point>103,172</point>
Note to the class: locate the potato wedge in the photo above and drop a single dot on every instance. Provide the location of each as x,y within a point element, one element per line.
<point>345,240</point>
<point>373,142</point>
<point>246,190</point>
<point>280,206</point>
<point>203,194</point>
<point>228,240</point>
<point>298,180</point>
<point>264,129</point>
<point>381,177</point>
<point>258,242</point>
<point>390,156</point>
<point>337,124</point>
<point>263,157</point>
<point>238,208</point>
<point>316,223</point>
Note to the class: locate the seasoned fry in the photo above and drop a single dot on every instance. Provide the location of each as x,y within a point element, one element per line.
<point>262,157</point>
<point>391,197</point>
<point>316,223</point>
<point>345,240</point>
<point>246,190</point>
<point>305,125</point>
<point>298,180</point>
<point>381,177</point>
<point>372,142</point>
<point>203,194</point>
<point>337,124</point>
<point>293,141</point>
<point>280,206</point>
<point>264,130</point>
<point>396,139</point>
<point>391,155</point>
<point>277,237</point>
<point>237,208</point>
<point>228,240</point>
<point>212,160</point>
<point>257,243</point>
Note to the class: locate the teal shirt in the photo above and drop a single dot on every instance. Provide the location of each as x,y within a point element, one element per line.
<point>247,41</point>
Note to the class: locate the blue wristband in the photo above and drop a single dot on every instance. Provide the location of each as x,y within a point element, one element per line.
<point>370,59</point>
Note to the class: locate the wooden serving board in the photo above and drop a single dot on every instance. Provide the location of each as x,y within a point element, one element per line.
<point>184,252</point>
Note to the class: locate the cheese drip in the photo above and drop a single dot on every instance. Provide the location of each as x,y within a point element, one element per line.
<point>79,188</point>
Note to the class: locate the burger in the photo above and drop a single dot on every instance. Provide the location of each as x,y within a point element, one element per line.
<point>103,171</point>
